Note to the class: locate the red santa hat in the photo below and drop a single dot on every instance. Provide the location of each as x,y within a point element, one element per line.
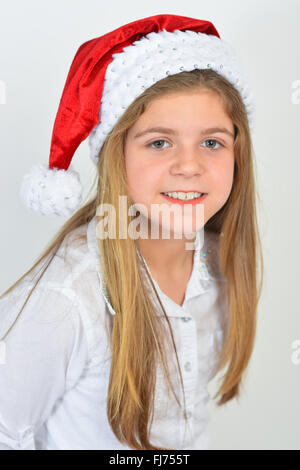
<point>107,74</point>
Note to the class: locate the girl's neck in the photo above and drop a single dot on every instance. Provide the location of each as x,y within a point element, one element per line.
<point>167,257</point>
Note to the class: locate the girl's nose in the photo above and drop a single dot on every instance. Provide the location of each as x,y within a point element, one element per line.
<point>188,162</point>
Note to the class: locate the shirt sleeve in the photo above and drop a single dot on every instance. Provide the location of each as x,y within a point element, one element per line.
<point>41,357</point>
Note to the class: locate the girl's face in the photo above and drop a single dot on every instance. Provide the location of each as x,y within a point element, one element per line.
<point>191,151</point>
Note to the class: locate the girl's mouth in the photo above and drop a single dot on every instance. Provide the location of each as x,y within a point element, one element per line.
<point>184,201</point>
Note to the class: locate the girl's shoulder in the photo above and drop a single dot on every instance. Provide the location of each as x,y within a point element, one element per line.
<point>64,294</point>
<point>49,336</point>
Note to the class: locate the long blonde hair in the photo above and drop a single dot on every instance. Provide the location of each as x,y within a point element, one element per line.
<point>137,336</point>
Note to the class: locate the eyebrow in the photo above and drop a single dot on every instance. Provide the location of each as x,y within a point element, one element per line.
<point>167,130</point>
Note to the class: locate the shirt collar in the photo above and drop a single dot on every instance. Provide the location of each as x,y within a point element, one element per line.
<point>200,281</point>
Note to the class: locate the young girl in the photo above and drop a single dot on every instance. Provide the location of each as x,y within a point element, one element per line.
<point>110,342</point>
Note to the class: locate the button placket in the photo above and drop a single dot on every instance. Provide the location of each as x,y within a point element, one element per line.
<point>186,319</point>
<point>189,368</point>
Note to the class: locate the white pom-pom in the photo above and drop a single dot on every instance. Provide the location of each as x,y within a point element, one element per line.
<point>51,192</point>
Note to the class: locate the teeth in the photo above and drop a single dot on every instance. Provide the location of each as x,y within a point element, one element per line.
<point>184,196</point>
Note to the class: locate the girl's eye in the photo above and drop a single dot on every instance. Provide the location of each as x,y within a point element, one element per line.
<point>208,140</point>
<point>213,140</point>
<point>154,142</point>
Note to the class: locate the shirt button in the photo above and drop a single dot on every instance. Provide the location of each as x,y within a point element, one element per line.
<point>185,319</point>
<point>188,366</point>
<point>26,432</point>
<point>188,414</point>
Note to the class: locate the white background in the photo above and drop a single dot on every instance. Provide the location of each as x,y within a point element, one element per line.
<point>38,41</point>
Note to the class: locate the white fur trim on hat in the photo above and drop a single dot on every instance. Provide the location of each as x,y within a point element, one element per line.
<point>151,59</point>
<point>51,191</point>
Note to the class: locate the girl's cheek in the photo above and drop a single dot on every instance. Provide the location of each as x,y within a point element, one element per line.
<point>224,174</point>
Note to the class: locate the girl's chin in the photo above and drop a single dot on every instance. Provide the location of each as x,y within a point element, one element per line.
<point>181,230</point>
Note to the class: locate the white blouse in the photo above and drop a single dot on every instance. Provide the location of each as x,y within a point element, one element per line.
<point>55,361</point>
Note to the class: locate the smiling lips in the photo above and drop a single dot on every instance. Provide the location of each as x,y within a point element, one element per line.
<point>184,191</point>
<point>181,201</point>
